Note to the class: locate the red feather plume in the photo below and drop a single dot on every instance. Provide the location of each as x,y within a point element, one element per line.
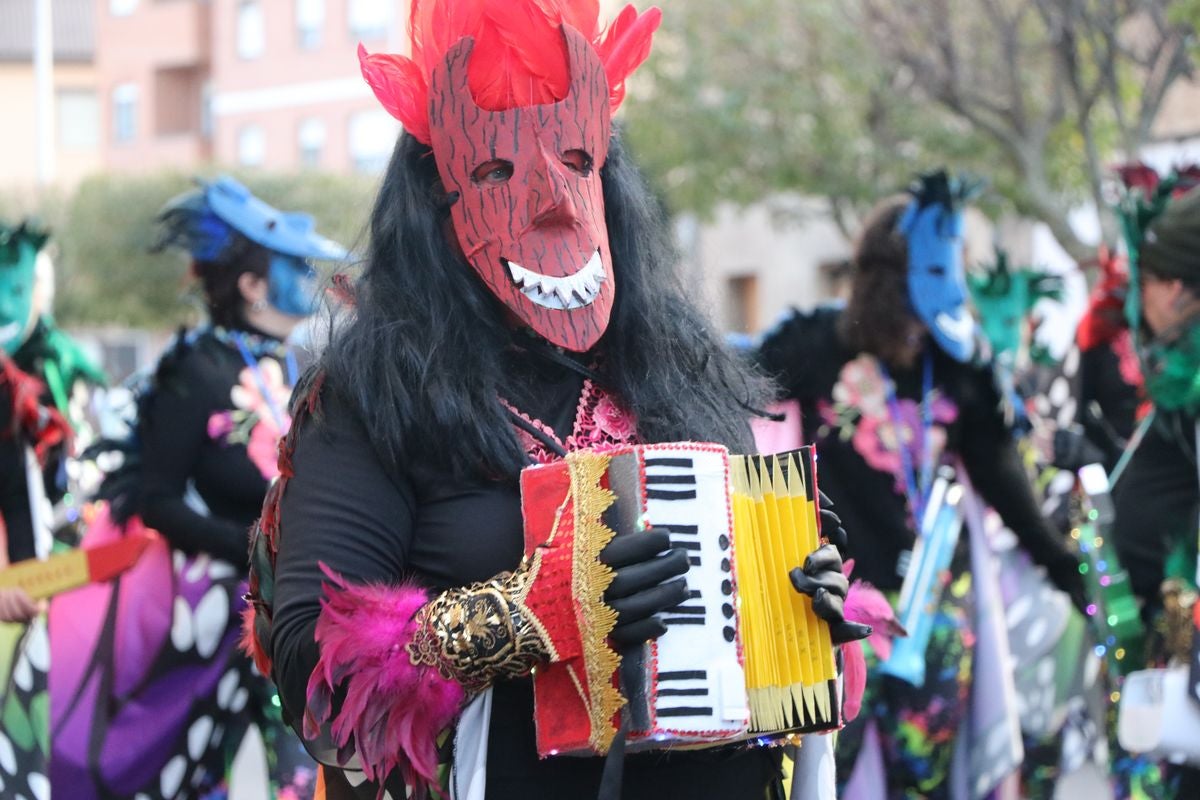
<point>519,60</point>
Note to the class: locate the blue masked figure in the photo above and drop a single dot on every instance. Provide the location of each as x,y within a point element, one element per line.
<point>933,226</point>
<point>204,221</point>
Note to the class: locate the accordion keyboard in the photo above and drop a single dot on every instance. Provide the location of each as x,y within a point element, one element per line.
<point>697,684</point>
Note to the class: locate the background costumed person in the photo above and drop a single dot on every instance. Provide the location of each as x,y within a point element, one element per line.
<point>888,392</point>
<point>154,656</point>
<point>1157,496</point>
<point>519,301</point>
<point>32,436</point>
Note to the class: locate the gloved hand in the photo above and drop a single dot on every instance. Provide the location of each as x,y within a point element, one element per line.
<point>831,524</point>
<point>1073,450</point>
<point>821,579</point>
<point>1063,572</point>
<point>647,583</point>
<point>16,605</point>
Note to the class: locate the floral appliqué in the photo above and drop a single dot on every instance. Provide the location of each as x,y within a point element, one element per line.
<point>600,422</point>
<point>257,420</point>
<point>859,414</point>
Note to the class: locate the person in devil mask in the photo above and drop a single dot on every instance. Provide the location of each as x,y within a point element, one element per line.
<point>519,301</point>
<point>889,391</point>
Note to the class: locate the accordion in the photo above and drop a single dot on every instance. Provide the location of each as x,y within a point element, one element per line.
<point>745,657</point>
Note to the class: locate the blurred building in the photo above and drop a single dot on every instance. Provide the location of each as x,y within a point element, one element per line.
<point>253,83</point>
<point>74,118</point>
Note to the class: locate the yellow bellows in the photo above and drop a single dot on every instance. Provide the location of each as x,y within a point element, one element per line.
<point>789,661</point>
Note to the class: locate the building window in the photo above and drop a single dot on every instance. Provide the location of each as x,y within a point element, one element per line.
<point>251,32</point>
<point>311,139</point>
<point>370,19</point>
<point>78,119</point>
<point>310,23</point>
<point>251,146</point>
<point>372,135</point>
<point>124,98</point>
<point>121,8</point>
<point>741,304</point>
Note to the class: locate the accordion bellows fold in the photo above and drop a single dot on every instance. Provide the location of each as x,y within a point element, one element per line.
<point>393,710</point>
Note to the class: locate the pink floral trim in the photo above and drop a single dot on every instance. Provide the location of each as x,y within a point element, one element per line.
<point>1127,360</point>
<point>601,423</point>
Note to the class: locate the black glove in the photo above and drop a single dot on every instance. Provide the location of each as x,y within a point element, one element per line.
<point>647,583</point>
<point>821,579</point>
<point>1063,572</point>
<point>1073,450</point>
<point>831,525</point>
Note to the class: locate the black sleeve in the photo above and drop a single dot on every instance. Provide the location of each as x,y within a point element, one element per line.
<point>990,455</point>
<point>14,500</point>
<point>1156,503</point>
<point>341,509</point>
<point>173,427</point>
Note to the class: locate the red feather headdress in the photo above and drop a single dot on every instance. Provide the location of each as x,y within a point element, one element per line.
<point>520,57</point>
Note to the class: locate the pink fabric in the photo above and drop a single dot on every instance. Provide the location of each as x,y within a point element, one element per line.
<point>865,604</point>
<point>393,710</point>
<point>778,437</point>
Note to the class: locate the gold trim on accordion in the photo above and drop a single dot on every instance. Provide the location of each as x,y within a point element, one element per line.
<point>745,657</point>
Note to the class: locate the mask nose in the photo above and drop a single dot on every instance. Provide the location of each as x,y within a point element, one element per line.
<point>553,204</point>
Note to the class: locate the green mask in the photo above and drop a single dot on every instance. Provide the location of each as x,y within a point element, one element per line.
<point>19,248</point>
<point>1004,299</point>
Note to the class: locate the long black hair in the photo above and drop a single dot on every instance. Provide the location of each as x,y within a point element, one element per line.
<point>421,358</point>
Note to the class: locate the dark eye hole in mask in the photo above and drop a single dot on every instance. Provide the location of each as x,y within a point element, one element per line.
<point>493,173</point>
<point>578,161</point>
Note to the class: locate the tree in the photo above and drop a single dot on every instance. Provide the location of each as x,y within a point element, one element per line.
<point>846,100</point>
<point>103,233</point>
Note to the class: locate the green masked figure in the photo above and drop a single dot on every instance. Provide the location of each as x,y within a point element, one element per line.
<point>1004,299</point>
<point>19,248</point>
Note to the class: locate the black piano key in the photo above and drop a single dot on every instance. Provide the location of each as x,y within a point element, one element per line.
<point>670,494</point>
<point>694,594</point>
<point>682,692</point>
<point>694,546</point>
<point>684,675</point>
<point>694,560</point>
<point>686,463</point>
<point>684,711</point>
<point>678,480</point>
<point>690,530</point>
<point>683,621</point>
<point>692,610</point>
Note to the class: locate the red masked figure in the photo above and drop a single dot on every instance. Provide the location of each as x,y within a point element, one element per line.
<point>529,207</point>
<point>519,139</point>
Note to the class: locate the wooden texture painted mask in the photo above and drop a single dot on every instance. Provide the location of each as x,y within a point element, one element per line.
<point>528,204</point>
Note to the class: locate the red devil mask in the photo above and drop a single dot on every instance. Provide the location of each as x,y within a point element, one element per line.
<point>528,205</point>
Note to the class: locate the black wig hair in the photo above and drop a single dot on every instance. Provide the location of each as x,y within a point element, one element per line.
<point>219,279</point>
<point>420,359</point>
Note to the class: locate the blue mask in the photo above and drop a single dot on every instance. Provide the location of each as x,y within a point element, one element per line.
<point>292,286</point>
<point>936,280</point>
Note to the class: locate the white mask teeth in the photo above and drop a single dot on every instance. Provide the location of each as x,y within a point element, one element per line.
<point>564,293</point>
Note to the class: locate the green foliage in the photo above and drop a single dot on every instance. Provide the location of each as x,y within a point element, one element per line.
<point>848,99</point>
<point>103,233</point>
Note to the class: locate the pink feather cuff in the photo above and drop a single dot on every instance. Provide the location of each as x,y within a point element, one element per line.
<point>393,710</point>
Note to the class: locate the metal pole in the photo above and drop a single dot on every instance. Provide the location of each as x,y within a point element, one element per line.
<point>43,71</point>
